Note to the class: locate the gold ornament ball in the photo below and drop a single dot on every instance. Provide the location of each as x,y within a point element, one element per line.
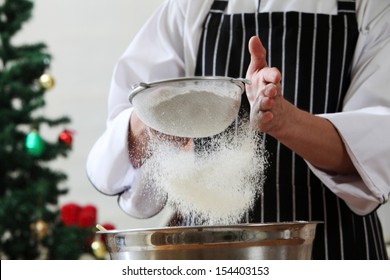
<point>99,249</point>
<point>46,81</point>
<point>40,229</point>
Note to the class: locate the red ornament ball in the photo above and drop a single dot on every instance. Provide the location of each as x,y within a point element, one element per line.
<point>87,216</point>
<point>66,137</point>
<point>70,214</point>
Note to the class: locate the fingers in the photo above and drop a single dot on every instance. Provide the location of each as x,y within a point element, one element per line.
<point>264,93</point>
<point>271,90</point>
<point>258,62</point>
<point>267,97</point>
<point>162,137</point>
<point>258,56</point>
<point>272,75</point>
<point>260,118</point>
<point>263,108</point>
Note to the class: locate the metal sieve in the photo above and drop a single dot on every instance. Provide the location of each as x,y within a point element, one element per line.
<point>189,107</point>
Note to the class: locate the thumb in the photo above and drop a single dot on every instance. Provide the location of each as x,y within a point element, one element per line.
<point>258,56</point>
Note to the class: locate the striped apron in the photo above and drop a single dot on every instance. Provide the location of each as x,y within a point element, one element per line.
<point>313,53</point>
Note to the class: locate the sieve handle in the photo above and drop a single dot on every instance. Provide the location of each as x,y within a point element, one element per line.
<point>137,88</point>
<point>242,80</point>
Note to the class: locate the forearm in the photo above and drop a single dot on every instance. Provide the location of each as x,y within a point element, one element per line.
<point>316,140</point>
<point>137,141</point>
<point>140,136</point>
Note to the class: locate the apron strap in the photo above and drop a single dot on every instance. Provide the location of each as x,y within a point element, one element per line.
<point>346,7</point>
<point>219,6</point>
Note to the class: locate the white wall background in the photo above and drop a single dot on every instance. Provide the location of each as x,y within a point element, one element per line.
<point>86,37</point>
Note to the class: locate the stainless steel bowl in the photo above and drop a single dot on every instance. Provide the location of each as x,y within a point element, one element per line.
<point>273,241</point>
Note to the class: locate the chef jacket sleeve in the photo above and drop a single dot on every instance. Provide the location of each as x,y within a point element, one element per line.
<point>364,124</point>
<point>154,54</point>
<point>111,173</point>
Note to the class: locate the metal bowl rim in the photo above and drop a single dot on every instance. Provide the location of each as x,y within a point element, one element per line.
<point>247,226</point>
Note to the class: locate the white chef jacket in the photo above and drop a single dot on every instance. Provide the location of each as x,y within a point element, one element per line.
<point>166,47</point>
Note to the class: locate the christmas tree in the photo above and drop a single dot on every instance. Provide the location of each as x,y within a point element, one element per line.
<point>30,217</point>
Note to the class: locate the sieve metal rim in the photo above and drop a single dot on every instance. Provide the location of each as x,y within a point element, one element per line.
<point>137,88</point>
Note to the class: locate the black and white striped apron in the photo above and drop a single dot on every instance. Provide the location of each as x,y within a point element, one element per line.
<point>313,53</point>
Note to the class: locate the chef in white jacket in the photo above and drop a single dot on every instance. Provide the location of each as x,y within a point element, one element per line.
<point>325,109</point>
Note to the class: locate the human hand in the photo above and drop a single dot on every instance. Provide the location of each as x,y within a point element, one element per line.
<point>140,136</point>
<point>181,142</point>
<point>269,109</point>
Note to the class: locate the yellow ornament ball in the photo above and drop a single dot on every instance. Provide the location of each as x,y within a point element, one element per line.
<point>99,248</point>
<point>40,228</point>
<point>46,81</point>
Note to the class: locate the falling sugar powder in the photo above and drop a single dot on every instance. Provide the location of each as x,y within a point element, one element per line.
<point>217,186</point>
